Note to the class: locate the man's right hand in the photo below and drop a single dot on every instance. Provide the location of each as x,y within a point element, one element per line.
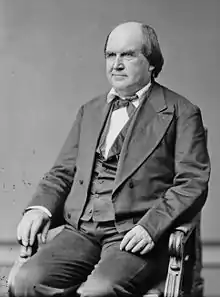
<point>33,222</point>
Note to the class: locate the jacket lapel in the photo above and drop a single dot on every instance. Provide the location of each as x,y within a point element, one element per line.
<point>144,134</point>
<point>95,116</point>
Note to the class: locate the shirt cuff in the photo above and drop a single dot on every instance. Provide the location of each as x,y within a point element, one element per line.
<point>41,208</point>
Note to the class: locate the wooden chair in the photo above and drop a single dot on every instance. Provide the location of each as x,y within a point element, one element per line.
<point>184,269</point>
<point>185,264</point>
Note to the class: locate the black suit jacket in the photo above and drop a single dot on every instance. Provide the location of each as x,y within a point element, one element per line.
<point>163,170</point>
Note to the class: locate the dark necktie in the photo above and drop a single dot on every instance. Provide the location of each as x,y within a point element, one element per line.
<point>127,102</point>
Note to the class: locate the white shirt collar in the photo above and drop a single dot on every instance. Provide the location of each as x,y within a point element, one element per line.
<point>112,93</point>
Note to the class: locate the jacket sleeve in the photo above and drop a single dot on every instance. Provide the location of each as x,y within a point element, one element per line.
<point>55,186</point>
<point>186,197</point>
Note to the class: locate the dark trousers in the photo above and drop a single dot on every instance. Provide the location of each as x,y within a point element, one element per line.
<point>89,260</point>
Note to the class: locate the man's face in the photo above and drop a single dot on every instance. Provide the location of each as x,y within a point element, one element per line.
<point>126,67</point>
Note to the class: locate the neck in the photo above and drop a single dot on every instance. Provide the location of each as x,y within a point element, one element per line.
<point>127,93</point>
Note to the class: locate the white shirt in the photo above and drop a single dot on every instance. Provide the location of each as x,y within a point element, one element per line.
<point>120,117</point>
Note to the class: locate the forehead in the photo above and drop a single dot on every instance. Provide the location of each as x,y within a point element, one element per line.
<point>125,38</point>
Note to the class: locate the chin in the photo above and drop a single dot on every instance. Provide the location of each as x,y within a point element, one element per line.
<point>119,85</point>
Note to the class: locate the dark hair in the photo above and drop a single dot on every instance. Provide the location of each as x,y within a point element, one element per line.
<point>150,49</point>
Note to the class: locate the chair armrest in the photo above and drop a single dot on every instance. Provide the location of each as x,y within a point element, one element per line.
<point>177,242</point>
<point>186,228</point>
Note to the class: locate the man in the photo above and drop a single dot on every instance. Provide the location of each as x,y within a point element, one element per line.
<point>134,165</point>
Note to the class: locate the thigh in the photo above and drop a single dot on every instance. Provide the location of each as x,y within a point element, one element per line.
<point>65,261</point>
<point>124,273</point>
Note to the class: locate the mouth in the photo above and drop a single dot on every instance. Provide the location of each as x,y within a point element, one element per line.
<point>119,76</point>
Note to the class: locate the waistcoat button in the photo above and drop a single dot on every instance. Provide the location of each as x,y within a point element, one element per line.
<point>131,185</point>
<point>81,181</point>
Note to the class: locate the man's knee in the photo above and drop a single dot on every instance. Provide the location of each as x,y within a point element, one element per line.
<point>24,282</point>
<point>97,288</point>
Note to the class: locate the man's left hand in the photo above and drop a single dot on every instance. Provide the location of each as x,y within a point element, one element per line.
<point>137,240</point>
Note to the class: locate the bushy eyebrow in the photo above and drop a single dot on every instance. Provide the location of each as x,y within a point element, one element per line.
<point>124,53</point>
<point>110,54</point>
<point>129,52</point>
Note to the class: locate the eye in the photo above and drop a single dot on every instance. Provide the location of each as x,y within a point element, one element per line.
<point>109,55</point>
<point>128,55</point>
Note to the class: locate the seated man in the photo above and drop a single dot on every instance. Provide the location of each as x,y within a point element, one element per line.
<point>134,165</point>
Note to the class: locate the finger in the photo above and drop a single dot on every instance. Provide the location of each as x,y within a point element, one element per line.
<point>132,243</point>
<point>45,232</point>
<point>147,249</point>
<point>20,229</point>
<point>128,236</point>
<point>24,232</point>
<point>139,246</point>
<point>25,251</point>
<point>34,230</point>
<point>18,233</point>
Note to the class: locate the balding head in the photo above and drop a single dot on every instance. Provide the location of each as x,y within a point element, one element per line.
<point>128,32</point>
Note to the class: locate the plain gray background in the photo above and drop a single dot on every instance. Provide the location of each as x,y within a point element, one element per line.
<point>51,61</point>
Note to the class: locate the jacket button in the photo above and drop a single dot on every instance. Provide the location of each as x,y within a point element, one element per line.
<point>131,185</point>
<point>81,181</point>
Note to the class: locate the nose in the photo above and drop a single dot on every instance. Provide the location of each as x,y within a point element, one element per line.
<point>118,63</point>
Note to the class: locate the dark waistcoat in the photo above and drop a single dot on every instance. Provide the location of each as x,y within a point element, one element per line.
<point>99,206</point>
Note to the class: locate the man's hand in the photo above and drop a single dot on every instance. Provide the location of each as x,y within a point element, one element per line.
<point>33,222</point>
<point>137,240</point>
